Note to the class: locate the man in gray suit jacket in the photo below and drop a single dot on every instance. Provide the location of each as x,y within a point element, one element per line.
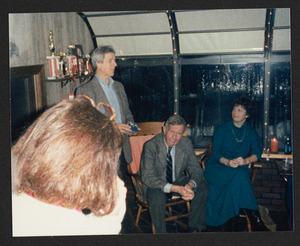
<point>102,88</point>
<point>153,173</point>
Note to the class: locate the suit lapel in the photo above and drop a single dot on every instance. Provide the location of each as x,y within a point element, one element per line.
<point>162,151</point>
<point>120,99</point>
<point>100,95</point>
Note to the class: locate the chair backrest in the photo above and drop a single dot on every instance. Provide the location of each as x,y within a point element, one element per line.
<point>150,128</point>
<point>137,144</point>
<point>202,158</point>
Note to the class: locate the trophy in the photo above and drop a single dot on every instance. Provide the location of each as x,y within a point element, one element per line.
<point>51,42</point>
<point>62,65</point>
<point>53,60</point>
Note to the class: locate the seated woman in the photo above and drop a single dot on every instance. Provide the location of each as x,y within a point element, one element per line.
<point>227,172</point>
<point>64,173</point>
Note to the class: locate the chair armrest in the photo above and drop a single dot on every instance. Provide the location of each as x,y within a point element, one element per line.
<point>202,158</point>
<point>257,164</point>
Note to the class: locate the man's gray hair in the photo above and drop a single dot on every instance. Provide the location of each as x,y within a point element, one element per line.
<point>98,54</point>
<point>175,120</point>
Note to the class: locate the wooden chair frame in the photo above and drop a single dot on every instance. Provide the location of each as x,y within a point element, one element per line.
<point>143,205</point>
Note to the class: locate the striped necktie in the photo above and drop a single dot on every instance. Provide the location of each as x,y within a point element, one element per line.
<point>169,166</point>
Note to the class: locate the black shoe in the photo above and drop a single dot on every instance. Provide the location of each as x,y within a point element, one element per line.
<point>256,221</point>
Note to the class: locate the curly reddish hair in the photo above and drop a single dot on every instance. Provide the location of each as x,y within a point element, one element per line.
<point>69,156</point>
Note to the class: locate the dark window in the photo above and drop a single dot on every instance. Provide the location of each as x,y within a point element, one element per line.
<point>22,105</point>
<point>280,102</point>
<point>207,93</point>
<point>149,90</point>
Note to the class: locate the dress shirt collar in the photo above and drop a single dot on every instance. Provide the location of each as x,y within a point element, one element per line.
<point>101,81</point>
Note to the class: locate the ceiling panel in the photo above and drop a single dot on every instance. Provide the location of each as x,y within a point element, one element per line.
<point>282,40</point>
<point>282,17</point>
<point>223,42</point>
<point>139,45</point>
<point>207,20</point>
<point>200,31</point>
<point>130,24</point>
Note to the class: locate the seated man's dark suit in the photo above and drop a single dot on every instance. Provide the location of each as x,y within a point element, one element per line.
<point>153,174</point>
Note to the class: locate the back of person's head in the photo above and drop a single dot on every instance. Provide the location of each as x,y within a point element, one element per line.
<point>69,155</point>
<point>245,102</point>
<point>175,120</point>
<point>97,54</point>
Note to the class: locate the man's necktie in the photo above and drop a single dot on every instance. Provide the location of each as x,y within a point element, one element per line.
<point>169,166</point>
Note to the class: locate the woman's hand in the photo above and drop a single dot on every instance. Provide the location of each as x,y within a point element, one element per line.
<point>230,163</point>
<point>233,163</point>
<point>240,161</point>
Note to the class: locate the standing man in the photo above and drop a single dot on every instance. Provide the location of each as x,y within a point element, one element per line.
<point>102,88</point>
<point>164,160</point>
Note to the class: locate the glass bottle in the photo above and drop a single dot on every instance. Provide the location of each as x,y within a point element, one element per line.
<point>287,146</point>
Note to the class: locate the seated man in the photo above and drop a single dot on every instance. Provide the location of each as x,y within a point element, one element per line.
<point>164,159</point>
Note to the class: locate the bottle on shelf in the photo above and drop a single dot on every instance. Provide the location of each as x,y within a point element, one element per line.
<point>287,146</point>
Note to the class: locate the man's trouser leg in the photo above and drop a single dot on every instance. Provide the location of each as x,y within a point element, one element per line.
<point>197,217</point>
<point>157,206</point>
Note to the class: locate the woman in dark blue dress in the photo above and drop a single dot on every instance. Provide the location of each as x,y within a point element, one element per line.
<point>235,145</point>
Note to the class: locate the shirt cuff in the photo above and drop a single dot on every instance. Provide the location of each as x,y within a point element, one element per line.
<point>167,188</point>
<point>195,185</point>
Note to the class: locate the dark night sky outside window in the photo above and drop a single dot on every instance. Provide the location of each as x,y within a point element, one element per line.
<point>149,91</point>
<point>207,92</point>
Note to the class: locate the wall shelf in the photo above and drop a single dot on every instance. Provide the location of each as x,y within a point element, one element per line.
<point>65,80</point>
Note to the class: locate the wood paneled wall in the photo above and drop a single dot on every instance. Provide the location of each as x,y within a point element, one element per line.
<point>29,43</point>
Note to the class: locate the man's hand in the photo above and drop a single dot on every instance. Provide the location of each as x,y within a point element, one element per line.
<point>126,129</point>
<point>186,193</point>
<point>189,194</point>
